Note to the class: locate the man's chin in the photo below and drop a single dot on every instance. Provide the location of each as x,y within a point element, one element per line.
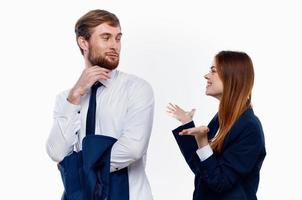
<point>111,65</point>
<point>107,62</point>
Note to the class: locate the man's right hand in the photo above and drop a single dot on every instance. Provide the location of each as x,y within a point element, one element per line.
<point>88,77</point>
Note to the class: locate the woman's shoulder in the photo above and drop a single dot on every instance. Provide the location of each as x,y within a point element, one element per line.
<point>249,120</point>
<point>248,123</point>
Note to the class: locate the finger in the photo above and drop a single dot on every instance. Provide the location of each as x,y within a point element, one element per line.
<point>204,129</point>
<point>193,131</point>
<point>177,106</point>
<point>186,132</point>
<point>207,129</point>
<point>98,68</point>
<point>96,75</point>
<point>182,132</point>
<point>103,76</point>
<point>92,69</point>
<point>100,76</point>
<point>96,72</point>
<point>192,112</point>
<point>96,78</point>
<point>101,72</point>
<point>170,109</point>
<point>172,105</point>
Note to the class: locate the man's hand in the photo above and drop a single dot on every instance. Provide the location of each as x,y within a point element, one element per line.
<point>88,77</point>
<point>178,113</point>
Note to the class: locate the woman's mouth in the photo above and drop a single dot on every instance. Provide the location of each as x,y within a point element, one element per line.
<point>209,84</point>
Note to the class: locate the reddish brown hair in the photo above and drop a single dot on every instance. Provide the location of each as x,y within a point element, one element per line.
<point>235,69</point>
<point>92,19</point>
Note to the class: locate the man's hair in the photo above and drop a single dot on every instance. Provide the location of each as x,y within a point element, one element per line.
<point>92,19</point>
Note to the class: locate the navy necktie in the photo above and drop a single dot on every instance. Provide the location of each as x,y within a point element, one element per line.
<point>90,120</point>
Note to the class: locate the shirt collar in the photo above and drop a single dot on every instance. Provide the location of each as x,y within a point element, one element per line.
<point>109,81</point>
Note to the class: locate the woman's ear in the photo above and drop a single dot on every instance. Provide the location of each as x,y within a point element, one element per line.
<point>83,43</point>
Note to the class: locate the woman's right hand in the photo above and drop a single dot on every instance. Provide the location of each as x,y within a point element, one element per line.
<point>181,115</point>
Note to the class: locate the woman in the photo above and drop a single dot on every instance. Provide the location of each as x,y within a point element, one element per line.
<point>225,156</point>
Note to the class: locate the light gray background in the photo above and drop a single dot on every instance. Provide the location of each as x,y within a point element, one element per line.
<point>170,44</point>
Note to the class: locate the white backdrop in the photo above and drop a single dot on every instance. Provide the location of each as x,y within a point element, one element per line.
<point>170,44</point>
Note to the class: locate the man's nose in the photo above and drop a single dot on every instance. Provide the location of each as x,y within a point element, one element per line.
<point>114,44</point>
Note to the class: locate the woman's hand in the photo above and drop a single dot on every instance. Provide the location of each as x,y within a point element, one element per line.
<point>178,113</point>
<point>200,133</point>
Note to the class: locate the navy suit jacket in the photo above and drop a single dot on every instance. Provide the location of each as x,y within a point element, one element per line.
<point>234,173</point>
<point>86,174</point>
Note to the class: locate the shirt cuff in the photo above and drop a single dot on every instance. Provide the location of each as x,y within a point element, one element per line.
<point>70,108</point>
<point>204,152</point>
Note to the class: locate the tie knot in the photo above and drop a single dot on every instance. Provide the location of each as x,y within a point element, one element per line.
<point>96,85</point>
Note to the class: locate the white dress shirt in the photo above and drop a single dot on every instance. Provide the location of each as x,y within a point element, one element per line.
<point>204,152</point>
<point>125,106</point>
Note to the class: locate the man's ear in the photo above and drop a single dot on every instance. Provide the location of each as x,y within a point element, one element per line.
<point>83,43</point>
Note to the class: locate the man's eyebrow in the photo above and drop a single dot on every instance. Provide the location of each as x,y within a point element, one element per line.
<point>105,34</point>
<point>109,34</point>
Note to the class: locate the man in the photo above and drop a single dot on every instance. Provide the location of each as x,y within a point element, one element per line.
<point>124,104</point>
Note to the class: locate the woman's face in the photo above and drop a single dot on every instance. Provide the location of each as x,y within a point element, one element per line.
<point>214,84</point>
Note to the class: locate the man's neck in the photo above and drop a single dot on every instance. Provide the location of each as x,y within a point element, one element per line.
<point>87,63</point>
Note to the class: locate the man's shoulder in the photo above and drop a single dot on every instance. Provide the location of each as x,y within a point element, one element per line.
<point>133,80</point>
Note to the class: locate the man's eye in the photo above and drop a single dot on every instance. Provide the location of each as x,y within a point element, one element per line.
<point>105,37</point>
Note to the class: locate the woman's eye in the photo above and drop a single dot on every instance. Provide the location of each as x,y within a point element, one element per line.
<point>213,70</point>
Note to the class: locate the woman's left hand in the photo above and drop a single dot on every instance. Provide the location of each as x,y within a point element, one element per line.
<point>200,133</point>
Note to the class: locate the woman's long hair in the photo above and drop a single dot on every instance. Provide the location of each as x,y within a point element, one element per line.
<point>235,69</point>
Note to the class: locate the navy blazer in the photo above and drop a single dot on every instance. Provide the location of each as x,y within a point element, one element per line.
<point>86,174</point>
<point>234,173</point>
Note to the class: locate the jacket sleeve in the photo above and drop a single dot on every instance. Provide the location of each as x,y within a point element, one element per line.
<point>222,171</point>
<point>188,146</point>
<point>133,143</point>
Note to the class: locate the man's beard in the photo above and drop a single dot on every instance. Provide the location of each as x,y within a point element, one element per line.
<point>96,58</point>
